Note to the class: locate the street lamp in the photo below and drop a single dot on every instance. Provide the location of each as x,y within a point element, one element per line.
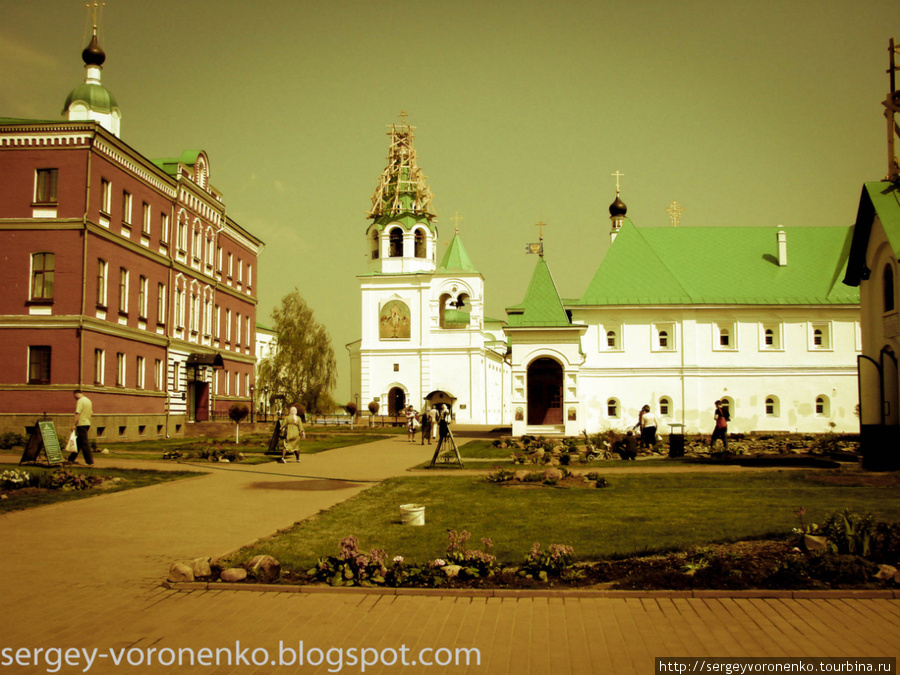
<point>252,401</point>
<point>266,402</point>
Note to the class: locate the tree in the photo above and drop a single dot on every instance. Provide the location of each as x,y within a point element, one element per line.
<point>351,409</point>
<point>238,413</point>
<point>302,367</point>
<point>373,409</point>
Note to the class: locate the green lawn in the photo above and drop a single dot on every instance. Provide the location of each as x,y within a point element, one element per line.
<point>637,513</point>
<point>18,500</point>
<point>253,446</point>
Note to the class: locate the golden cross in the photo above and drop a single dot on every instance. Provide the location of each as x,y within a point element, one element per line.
<point>675,210</point>
<point>96,7</point>
<point>541,225</point>
<point>618,175</point>
<point>403,116</point>
<point>456,218</point>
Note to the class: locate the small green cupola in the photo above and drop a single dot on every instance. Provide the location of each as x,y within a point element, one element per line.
<point>403,234</point>
<point>91,100</point>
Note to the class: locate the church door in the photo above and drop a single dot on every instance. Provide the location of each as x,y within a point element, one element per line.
<point>545,381</point>
<point>396,401</point>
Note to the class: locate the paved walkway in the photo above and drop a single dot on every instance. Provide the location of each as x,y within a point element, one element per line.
<point>87,575</point>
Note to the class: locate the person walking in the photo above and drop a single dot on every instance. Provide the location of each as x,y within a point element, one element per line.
<point>426,427</point>
<point>84,409</point>
<point>292,431</point>
<point>649,424</point>
<point>721,429</point>
<point>412,423</point>
<point>433,417</point>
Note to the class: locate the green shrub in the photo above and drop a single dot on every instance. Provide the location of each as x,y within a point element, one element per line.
<point>557,561</point>
<point>11,439</point>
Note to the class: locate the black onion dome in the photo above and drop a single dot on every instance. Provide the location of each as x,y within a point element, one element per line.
<point>92,54</point>
<point>618,208</point>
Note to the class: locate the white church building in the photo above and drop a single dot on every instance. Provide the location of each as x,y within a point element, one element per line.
<point>675,318</point>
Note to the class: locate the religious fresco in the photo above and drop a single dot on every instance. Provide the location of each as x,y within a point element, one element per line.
<point>393,321</point>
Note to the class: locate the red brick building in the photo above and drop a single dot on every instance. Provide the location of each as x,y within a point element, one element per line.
<point>119,275</point>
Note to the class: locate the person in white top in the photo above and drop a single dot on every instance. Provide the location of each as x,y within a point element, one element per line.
<point>649,423</point>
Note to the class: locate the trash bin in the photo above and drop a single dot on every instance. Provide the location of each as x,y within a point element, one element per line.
<point>676,440</point>
<point>412,514</point>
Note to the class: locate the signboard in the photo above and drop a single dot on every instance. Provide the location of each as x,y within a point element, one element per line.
<point>43,437</point>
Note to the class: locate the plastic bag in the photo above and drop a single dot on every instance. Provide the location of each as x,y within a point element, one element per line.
<point>72,445</point>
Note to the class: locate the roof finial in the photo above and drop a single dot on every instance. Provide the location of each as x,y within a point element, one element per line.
<point>675,210</point>
<point>618,174</point>
<point>93,55</point>
<point>456,218</point>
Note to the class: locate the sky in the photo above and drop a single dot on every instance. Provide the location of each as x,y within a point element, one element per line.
<point>756,113</point>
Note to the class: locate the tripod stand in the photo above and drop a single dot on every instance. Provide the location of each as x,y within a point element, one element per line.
<point>445,438</point>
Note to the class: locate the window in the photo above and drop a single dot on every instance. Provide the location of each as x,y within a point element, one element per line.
<point>120,369</point>
<point>157,374</point>
<point>195,249</point>
<point>102,275</point>
<point>247,331</point>
<point>887,283</point>
<point>139,372</point>
<point>249,275</point>
<point>105,196</point>
<point>665,404</point>
<point>227,325</point>
<point>771,406</point>
<point>240,275</point>
<point>821,336</point>
<point>39,365</point>
<point>99,365</point>
<point>375,246</point>
<point>219,259</point>
<point>664,337</point>
<point>770,338</point>
<point>126,209</point>
<point>142,297</point>
<point>42,267</point>
<point>45,186</point>
<point>209,249</point>
<point>207,316</point>
<point>237,329</point>
<point>823,409</point>
<point>216,329</point>
<point>164,228</point>
<point>145,227</point>
<point>611,341</point>
<point>612,408</point>
<point>123,291</point>
<point>195,313</point>
<point>181,241</point>
<point>161,304</point>
<point>179,308</point>
<point>230,265</point>
<point>396,243</point>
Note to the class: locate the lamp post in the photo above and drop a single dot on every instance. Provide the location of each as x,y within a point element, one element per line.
<point>252,401</point>
<point>266,402</point>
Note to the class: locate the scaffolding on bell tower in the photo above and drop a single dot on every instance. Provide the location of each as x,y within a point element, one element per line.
<point>402,187</point>
<point>891,110</point>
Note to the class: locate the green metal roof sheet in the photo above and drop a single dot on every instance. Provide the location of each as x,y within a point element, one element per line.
<point>170,164</point>
<point>542,306</point>
<point>722,265</point>
<point>886,202</point>
<point>881,199</point>
<point>456,259</point>
<point>95,96</point>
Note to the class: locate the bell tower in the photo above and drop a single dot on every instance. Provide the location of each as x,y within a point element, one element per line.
<point>402,238</point>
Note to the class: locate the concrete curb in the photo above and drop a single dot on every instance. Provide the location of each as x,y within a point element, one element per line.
<point>538,592</point>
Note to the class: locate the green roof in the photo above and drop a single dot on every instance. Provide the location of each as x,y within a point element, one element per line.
<point>886,202</point>
<point>542,306</point>
<point>881,199</point>
<point>95,96</point>
<point>722,265</point>
<point>170,164</point>
<point>456,259</point>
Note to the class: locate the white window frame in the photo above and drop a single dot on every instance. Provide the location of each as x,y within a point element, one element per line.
<point>775,405</point>
<point>161,304</point>
<point>658,329</point>
<point>777,337</point>
<point>164,228</point>
<point>99,366</point>
<point>147,213</point>
<point>143,285</point>
<point>158,375</point>
<point>121,372</point>
<point>102,282</point>
<point>618,408</point>
<point>728,330</point>
<point>124,288</point>
<point>105,196</point>
<point>826,334</point>
<point>826,406</point>
<point>140,367</point>
<point>127,203</point>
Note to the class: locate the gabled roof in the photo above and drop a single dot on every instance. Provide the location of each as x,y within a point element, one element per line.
<point>542,305</point>
<point>722,265</point>
<point>456,259</point>
<point>880,199</point>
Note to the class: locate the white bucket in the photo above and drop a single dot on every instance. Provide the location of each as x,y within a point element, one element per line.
<point>412,514</point>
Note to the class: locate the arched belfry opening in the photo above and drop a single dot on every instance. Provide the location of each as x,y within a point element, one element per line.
<point>545,385</point>
<point>456,310</point>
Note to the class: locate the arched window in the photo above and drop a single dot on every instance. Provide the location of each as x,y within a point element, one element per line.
<point>420,244</point>
<point>887,282</point>
<point>375,246</point>
<point>396,243</point>
<point>663,339</point>
<point>771,406</point>
<point>817,337</point>
<point>612,408</point>
<point>770,337</point>
<point>724,337</point>
<point>822,406</point>
<point>611,339</point>
<point>665,405</point>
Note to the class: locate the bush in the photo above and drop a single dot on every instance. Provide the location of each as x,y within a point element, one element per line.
<point>500,475</point>
<point>557,560</point>
<point>10,440</point>
<point>849,533</point>
<point>238,412</point>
